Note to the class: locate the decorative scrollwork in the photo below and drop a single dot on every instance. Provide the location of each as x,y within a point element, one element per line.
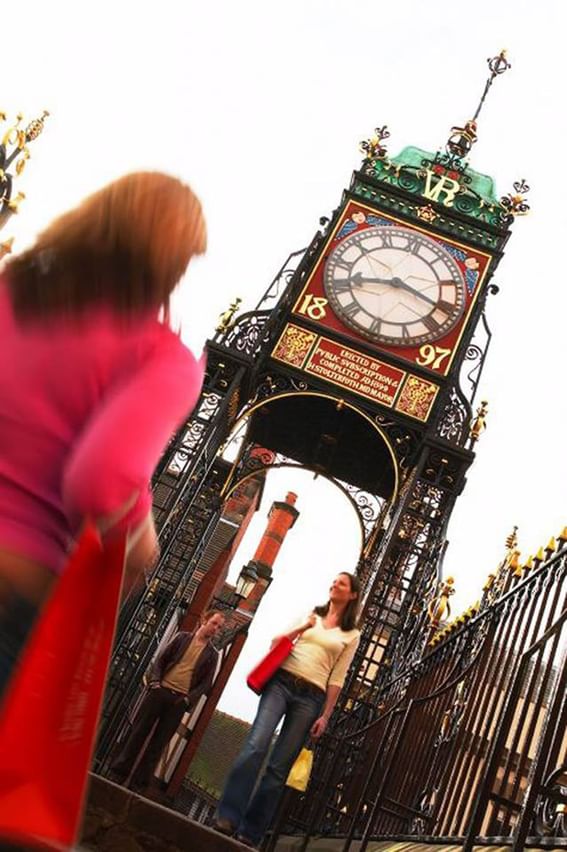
<point>515,204</point>
<point>550,813</point>
<point>249,334</point>
<point>454,418</point>
<point>281,281</point>
<point>373,147</point>
<point>276,383</point>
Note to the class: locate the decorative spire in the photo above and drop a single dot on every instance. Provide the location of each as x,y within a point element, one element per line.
<point>462,139</point>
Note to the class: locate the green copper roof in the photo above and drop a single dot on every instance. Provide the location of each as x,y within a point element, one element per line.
<point>439,180</point>
<point>482,184</point>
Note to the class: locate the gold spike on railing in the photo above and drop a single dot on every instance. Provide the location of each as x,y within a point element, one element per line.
<point>551,547</point>
<point>528,564</point>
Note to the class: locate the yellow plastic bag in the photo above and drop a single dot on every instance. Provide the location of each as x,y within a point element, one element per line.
<point>299,773</point>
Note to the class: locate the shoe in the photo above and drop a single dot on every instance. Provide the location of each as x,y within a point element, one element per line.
<point>223,826</point>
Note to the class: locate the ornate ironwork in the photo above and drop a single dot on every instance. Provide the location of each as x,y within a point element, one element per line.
<point>282,281</point>
<point>550,817</point>
<point>454,417</point>
<point>463,138</point>
<point>14,151</point>
<point>248,335</point>
<point>515,204</point>
<point>441,735</point>
<point>373,147</point>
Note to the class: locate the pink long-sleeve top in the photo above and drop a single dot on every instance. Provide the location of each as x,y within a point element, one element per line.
<point>86,407</point>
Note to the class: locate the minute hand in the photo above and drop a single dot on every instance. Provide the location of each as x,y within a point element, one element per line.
<point>394,282</point>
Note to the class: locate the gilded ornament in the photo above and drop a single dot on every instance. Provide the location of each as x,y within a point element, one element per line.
<point>416,398</point>
<point>294,345</point>
<point>479,423</point>
<point>439,608</point>
<point>373,147</point>
<point>226,319</point>
<point>14,203</point>
<point>426,213</point>
<point>35,127</point>
<point>6,247</point>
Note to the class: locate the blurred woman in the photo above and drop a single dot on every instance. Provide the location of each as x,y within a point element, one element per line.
<point>93,382</point>
<point>303,692</point>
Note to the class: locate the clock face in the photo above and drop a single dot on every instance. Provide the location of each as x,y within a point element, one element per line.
<point>394,286</point>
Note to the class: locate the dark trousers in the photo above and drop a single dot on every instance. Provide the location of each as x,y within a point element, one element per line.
<point>17,617</point>
<point>161,710</point>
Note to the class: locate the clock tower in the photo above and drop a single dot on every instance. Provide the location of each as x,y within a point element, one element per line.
<point>360,363</point>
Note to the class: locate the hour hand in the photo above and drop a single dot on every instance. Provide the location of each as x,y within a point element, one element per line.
<point>358,279</point>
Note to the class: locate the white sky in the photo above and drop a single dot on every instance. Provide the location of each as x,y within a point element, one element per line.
<point>261,106</point>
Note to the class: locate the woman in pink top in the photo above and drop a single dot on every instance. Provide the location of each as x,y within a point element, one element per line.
<point>92,383</point>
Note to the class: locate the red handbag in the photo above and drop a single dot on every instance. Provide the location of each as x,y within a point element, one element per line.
<point>268,665</point>
<point>50,712</point>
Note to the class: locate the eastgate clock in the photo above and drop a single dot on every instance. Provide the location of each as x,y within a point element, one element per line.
<point>394,286</point>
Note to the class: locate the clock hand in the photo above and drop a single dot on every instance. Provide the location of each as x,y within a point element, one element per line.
<point>358,278</point>
<point>398,283</point>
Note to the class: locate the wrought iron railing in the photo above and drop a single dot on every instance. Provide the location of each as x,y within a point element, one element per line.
<point>470,743</point>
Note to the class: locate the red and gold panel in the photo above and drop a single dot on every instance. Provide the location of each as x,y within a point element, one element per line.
<point>395,286</point>
<point>352,370</point>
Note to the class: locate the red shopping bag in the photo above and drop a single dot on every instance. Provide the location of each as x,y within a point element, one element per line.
<point>49,717</point>
<point>268,666</point>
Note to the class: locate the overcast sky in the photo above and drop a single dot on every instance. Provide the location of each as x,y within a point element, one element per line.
<point>260,107</point>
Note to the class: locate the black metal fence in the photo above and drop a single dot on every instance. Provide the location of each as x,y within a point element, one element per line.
<point>469,743</point>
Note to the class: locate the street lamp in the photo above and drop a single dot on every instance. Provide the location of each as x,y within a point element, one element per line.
<point>246,581</point>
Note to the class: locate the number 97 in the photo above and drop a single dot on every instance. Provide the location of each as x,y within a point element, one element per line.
<point>432,356</point>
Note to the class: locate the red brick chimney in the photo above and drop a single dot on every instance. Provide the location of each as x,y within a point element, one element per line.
<point>281,518</point>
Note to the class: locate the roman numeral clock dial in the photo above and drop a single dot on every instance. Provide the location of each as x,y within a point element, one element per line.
<point>394,286</point>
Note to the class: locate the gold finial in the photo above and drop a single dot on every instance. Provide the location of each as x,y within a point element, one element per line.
<point>35,127</point>
<point>551,547</point>
<point>512,539</point>
<point>563,534</point>
<point>489,582</point>
<point>540,555</point>
<point>226,319</point>
<point>6,247</point>
<point>14,203</point>
<point>439,608</point>
<point>373,147</point>
<point>479,423</point>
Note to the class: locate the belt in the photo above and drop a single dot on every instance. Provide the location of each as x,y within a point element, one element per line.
<point>174,691</point>
<point>301,684</point>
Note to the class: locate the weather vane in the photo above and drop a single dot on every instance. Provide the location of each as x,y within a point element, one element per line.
<point>462,139</point>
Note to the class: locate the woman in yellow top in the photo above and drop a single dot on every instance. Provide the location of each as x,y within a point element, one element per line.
<point>304,692</point>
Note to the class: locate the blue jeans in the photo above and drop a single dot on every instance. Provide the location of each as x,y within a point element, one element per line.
<point>249,810</point>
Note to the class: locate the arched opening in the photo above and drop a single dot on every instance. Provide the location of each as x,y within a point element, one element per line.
<point>324,434</point>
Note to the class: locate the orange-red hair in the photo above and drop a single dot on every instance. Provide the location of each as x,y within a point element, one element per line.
<point>126,245</point>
